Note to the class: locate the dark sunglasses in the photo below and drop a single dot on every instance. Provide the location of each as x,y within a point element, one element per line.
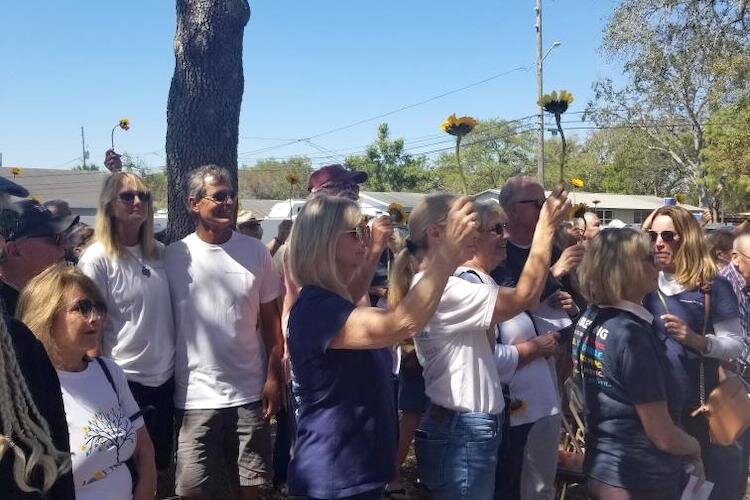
<point>362,233</point>
<point>666,236</point>
<point>538,202</point>
<point>499,228</point>
<point>129,196</point>
<point>87,308</point>
<point>221,196</point>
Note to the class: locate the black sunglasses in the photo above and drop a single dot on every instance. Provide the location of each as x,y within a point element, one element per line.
<point>362,233</point>
<point>221,196</point>
<point>499,228</point>
<point>666,236</point>
<point>538,202</point>
<point>87,307</point>
<point>129,196</point>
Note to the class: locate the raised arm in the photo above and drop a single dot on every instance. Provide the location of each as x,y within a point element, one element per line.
<point>369,327</point>
<point>526,294</point>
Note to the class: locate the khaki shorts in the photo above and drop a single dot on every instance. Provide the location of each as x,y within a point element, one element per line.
<point>224,446</point>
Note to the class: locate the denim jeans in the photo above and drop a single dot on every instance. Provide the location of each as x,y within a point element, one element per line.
<point>457,453</point>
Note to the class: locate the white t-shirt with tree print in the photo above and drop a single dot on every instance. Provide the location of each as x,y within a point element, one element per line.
<point>102,437</point>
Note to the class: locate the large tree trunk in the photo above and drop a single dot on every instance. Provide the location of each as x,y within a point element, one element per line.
<point>203,110</point>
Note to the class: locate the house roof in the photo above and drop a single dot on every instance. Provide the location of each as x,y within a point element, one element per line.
<point>79,189</point>
<point>408,200</point>
<point>606,200</point>
<point>259,208</point>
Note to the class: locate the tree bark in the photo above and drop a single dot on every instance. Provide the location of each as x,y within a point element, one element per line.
<point>203,110</point>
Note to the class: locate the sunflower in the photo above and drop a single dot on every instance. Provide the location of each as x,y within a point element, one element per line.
<point>577,210</point>
<point>576,182</point>
<point>680,197</point>
<point>458,126</point>
<point>555,103</point>
<point>292,179</point>
<point>124,124</point>
<point>398,213</point>
<point>15,171</point>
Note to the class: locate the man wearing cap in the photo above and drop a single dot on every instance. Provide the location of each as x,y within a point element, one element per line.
<point>33,242</point>
<point>39,377</point>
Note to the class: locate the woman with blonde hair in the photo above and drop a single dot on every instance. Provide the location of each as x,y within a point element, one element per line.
<point>634,448</point>
<point>689,291</point>
<point>458,438</point>
<point>340,352</point>
<point>126,263</point>
<point>65,310</point>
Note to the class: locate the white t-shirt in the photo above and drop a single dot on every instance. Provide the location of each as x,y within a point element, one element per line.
<point>216,292</point>
<point>139,331</point>
<point>455,349</point>
<point>102,437</point>
<point>536,382</point>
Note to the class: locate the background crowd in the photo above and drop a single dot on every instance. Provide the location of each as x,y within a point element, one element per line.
<point>464,331</point>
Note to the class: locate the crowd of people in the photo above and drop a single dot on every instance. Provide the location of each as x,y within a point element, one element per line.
<point>460,332</point>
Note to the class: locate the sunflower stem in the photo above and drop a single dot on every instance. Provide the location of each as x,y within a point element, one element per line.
<point>563,151</point>
<point>464,187</point>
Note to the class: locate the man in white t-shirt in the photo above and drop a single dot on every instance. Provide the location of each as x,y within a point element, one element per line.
<point>227,370</point>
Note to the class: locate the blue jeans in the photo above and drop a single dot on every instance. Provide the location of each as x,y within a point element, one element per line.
<point>457,453</point>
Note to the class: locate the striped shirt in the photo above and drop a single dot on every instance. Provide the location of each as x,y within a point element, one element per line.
<point>742,290</point>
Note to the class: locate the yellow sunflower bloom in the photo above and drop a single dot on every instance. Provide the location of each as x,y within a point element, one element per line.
<point>576,182</point>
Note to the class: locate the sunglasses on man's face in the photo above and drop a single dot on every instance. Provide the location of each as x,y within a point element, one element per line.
<point>129,196</point>
<point>538,202</point>
<point>221,196</point>
<point>362,233</point>
<point>666,236</point>
<point>88,308</point>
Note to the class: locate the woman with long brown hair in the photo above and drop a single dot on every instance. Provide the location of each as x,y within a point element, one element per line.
<point>689,291</point>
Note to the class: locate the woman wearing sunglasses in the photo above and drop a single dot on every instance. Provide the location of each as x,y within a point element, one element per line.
<point>126,263</point>
<point>520,354</point>
<point>340,352</point>
<point>687,280</point>
<point>457,441</point>
<point>65,311</point>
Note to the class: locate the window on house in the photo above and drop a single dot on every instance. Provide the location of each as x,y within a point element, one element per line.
<point>640,215</point>
<point>604,215</point>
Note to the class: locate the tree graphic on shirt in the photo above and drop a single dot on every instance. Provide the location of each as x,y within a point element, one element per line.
<point>108,429</point>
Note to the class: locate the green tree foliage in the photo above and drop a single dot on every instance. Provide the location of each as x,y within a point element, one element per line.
<point>495,150</point>
<point>266,180</point>
<point>727,156</point>
<point>389,167</point>
<point>683,59</point>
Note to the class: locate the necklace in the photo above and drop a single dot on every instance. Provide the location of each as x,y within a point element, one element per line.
<point>144,269</point>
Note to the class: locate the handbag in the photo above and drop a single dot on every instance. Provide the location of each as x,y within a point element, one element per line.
<point>727,408</point>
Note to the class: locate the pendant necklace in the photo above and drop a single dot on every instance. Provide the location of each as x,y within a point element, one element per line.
<point>144,270</point>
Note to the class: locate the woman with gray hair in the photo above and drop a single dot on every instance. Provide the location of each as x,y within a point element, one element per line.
<point>346,435</point>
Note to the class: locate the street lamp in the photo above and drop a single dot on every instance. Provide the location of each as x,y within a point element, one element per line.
<point>540,91</point>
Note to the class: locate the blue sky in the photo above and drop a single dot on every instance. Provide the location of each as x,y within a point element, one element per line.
<point>310,67</point>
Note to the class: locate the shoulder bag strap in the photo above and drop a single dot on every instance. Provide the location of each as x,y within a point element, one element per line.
<point>107,374</point>
<point>706,317</point>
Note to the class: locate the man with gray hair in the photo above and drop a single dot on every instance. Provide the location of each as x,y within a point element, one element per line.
<point>522,198</point>
<point>227,369</point>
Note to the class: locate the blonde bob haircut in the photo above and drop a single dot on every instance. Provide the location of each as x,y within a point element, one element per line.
<point>694,267</point>
<point>314,238</point>
<point>431,210</point>
<point>106,228</point>
<point>608,270</point>
<point>43,297</point>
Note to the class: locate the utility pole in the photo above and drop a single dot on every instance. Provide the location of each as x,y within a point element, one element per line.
<point>83,147</point>
<point>539,93</point>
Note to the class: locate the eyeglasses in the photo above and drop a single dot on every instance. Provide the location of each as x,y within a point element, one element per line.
<point>221,196</point>
<point>88,309</point>
<point>338,187</point>
<point>666,236</point>
<point>499,228</point>
<point>362,233</point>
<point>129,196</point>
<point>538,202</point>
